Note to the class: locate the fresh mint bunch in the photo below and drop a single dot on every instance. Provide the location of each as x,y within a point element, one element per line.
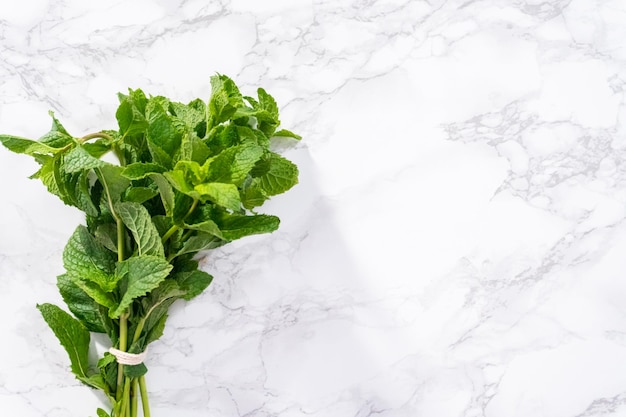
<point>188,179</point>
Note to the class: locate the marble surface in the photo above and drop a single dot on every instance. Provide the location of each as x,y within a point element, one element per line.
<point>455,247</point>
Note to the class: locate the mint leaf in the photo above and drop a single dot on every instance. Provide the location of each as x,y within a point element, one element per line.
<point>225,195</point>
<point>140,194</point>
<point>143,273</point>
<point>190,116</point>
<point>140,170</point>
<point>233,164</point>
<point>73,337</point>
<point>224,101</point>
<point>287,134</point>
<point>162,131</point>
<point>156,330</point>
<point>85,258</point>
<point>57,137</point>
<point>267,103</point>
<point>78,159</point>
<point>235,226</point>
<point>273,175</point>
<point>80,304</point>
<point>193,282</point>
<point>166,192</point>
<point>26,146</point>
<point>135,371</point>
<point>137,219</point>
<point>113,182</point>
<point>157,303</point>
<point>202,241</point>
<point>130,118</point>
<point>159,155</point>
<point>105,360</point>
<point>106,235</point>
<point>82,196</point>
<point>95,292</point>
<point>207,226</point>
<point>102,413</point>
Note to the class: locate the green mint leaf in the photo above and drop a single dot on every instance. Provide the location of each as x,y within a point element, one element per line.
<point>273,175</point>
<point>202,241</point>
<point>193,172</point>
<point>156,330</point>
<point>267,114</point>
<point>106,235</point>
<point>193,283</point>
<point>102,413</point>
<point>140,170</point>
<point>156,305</point>
<point>179,181</point>
<point>46,174</point>
<point>166,192</point>
<point>57,137</point>
<point>26,146</point>
<point>78,159</point>
<point>135,371</point>
<point>130,118</point>
<point>225,99</point>
<point>267,103</point>
<point>189,115</point>
<point>95,381</point>
<point>85,258</point>
<point>287,134</point>
<point>140,194</point>
<point>137,219</point>
<point>160,156</point>
<point>99,147</point>
<point>225,195</point>
<point>207,226</point>
<point>192,148</point>
<point>162,130</point>
<point>253,196</point>
<point>252,101</point>
<point>114,183</point>
<point>95,292</point>
<point>72,335</point>
<point>82,196</point>
<point>234,226</point>
<point>80,304</point>
<point>233,164</point>
<point>105,360</point>
<point>222,137</point>
<point>143,273</point>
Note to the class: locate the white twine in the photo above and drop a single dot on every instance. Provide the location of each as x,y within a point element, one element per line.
<point>126,358</point>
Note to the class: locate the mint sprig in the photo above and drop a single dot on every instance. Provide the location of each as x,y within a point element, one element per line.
<point>188,178</point>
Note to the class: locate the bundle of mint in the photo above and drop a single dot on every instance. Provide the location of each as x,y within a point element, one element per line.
<point>188,179</point>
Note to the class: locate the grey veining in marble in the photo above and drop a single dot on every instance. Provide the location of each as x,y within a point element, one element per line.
<point>455,247</point>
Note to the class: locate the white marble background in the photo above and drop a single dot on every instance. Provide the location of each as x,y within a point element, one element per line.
<point>456,246</point>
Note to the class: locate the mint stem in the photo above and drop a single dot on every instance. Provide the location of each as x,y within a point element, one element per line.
<point>134,406</point>
<point>144,396</point>
<point>120,367</point>
<point>174,228</point>
<point>96,135</point>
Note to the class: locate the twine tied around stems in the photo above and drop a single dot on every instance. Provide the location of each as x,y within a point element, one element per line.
<point>126,358</point>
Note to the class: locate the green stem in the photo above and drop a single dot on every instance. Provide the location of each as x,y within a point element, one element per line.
<point>174,228</point>
<point>134,405</point>
<point>144,396</point>
<point>121,234</point>
<point>96,135</point>
<point>123,342</point>
<point>169,233</point>
<point>126,401</point>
